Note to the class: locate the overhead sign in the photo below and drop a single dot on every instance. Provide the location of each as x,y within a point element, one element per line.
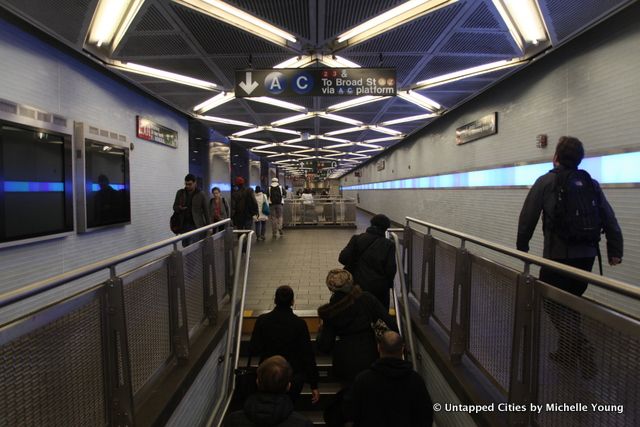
<point>152,131</point>
<point>292,82</point>
<point>484,126</point>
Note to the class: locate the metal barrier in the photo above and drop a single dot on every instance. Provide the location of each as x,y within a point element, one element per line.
<point>334,211</point>
<point>496,329</point>
<point>92,357</point>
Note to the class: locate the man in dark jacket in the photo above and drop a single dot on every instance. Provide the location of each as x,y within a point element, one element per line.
<point>191,204</point>
<point>543,197</point>
<point>390,393</point>
<point>371,258</point>
<point>281,332</point>
<point>271,406</point>
<point>243,206</point>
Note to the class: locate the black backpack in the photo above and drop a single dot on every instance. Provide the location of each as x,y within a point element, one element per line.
<point>577,218</point>
<point>275,197</point>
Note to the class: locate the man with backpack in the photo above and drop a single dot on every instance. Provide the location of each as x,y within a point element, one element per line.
<point>575,213</point>
<point>243,206</point>
<point>276,196</point>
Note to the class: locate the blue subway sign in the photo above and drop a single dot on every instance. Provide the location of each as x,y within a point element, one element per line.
<point>292,82</point>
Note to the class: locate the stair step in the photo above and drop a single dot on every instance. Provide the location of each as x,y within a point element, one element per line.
<point>327,392</point>
<point>314,416</point>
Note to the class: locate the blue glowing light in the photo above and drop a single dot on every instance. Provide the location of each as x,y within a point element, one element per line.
<point>96,187</point>
<point>223,186</point>
<point>612,169</point>
<point>33,187</point>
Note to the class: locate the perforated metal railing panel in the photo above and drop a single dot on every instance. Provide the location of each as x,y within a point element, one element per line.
<point>146,303</point>
<point>445,268</point>
<point>491,317</point>
<point>53,375</point>
<point>417,248</point>
<point>193,279</point>
<point>219,260</point>
<point>585,362</point>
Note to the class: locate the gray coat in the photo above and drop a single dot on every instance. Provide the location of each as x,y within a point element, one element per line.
<point>199,207</point>
<point>542,198</point>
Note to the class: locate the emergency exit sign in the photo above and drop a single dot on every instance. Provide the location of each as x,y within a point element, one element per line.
<point>292,82</point>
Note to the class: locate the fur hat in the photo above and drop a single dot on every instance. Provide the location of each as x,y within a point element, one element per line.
<point>339,279</point>
<point>239,180</point>
<point>381,221</point>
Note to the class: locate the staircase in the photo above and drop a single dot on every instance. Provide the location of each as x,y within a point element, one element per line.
<point>327,384</point>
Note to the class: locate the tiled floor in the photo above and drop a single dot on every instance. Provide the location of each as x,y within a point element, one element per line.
<point>300,259</point>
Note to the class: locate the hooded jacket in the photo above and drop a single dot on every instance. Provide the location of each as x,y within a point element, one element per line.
<point>389,394</point>
<point>267,410</point>
<point>370,258</point>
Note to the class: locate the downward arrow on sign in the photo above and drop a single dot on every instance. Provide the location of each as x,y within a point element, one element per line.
<point>248,85</point>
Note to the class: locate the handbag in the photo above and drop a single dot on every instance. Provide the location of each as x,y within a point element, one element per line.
<point>265,207</point>
<point>175,223</point>
<point>246,385</point>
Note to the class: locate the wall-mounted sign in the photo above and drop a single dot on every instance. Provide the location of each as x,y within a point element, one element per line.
<point>151,131</point>
<point>484,126</point>
<point>291,82</point>
<point>380,165</point>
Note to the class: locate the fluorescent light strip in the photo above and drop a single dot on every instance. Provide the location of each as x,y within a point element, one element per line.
<point>397,16</point>
<point>385,130</point>
<point>162,74</point>
<point>370,150</point>
<point>296,62</point>
<point>243,20</point>
<point>420,100</point>
<point>282,130</point>
<point>293,119</point>
<point>214,102</point>
<point>364,144</point>
<point>346,144</point>
<point>469,72</point>
<point>111,21</point>
<point>247,131</point>
<point>408,119</point>
<point>272,153</point>
<point>256,141</point>
<point>355,102</point>
<point>611,169</point>
<point>342,119</point>
<point>292,146</point>
<point>337,62</point>
<point>523,20</point>
<point>386,138</point>
<point>225,121</point>
<point>262,147</point>
<point>223,186</point>
<point>278,103</point>
<point>330,138</point>
<point>347,130</point>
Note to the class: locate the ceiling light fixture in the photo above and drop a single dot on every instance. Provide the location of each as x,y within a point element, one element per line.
<point>297,62</point>
<point>346,144</point>
<point>335,61</point>
<point>341,119</point>
<point>110,21</point>
<point>225,121</point>
<point>408,119</point>
<point>524,21</point>
<point>162,74</point>
<point>347,130</point>
<point>469,72</point>
<point>282,130</point>
<point>330,138</point>
<point>293,119</point>
<point>355,102</point>
<point>386,138</point>
<point>392,18</point>
<point>214,102</point>
<point>278,103</point>
<point>241,19</point>
<point>420,100</point>
<point>255,141</point>
<point>384,130</point>
<point>364,144</point>
<point>370,150</point>
<point>248,131</point>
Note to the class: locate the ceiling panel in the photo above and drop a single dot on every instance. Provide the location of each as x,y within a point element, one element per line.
<point>289,15</point>
<point>154,45</point>
<point>443,64</point>
<point>153,20</point>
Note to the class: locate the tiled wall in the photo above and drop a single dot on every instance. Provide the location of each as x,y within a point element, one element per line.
<point>35,73</point>
<point>588,88</point>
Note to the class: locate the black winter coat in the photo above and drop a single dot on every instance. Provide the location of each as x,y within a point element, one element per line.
<point>266,410</point>
<point>243,207</point>
<point>389,394</point>
<point>370,258</point>
<point>280,332</point>
<point>349,317</point>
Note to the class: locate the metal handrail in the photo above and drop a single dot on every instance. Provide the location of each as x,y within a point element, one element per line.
<point>405,301</point>
<point>224,400</point>
<point>41,286</point>
<point>605,282</point>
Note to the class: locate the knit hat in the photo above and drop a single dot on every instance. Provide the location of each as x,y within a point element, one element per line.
<point>274,179</point>
<point>381,221</point>
<point>239,180</point>
<point>339,280</point>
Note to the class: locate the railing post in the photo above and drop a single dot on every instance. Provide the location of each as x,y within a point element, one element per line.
<point>178,306</point>
<point>209,288</point>
<point>428,283</point>
<point>120,393</point>
<point>460,311</point>
<point>407,259</point>
<point>521,373</point>
<point>228,257</point>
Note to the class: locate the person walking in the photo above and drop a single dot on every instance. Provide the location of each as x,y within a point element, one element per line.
<point>243,206</point>
<point>276,196</point>
<point>191,204</point>
<point>263,213</point>
<point>218,207</point>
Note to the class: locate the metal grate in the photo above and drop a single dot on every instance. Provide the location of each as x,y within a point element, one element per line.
<point>443,64</point>
<point>482,17</point>
<point>54,375</point>
<point>493,293</point>
<point>153,21</point>
<point>587,363</point>
<point>146,301</point>
<point>478,43</point>
<point>154,45</point>
<point>289,15</point>
<point>417,257</point>
<point>445,269</point>
<point>193,284</point>
<point>219,260</point>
